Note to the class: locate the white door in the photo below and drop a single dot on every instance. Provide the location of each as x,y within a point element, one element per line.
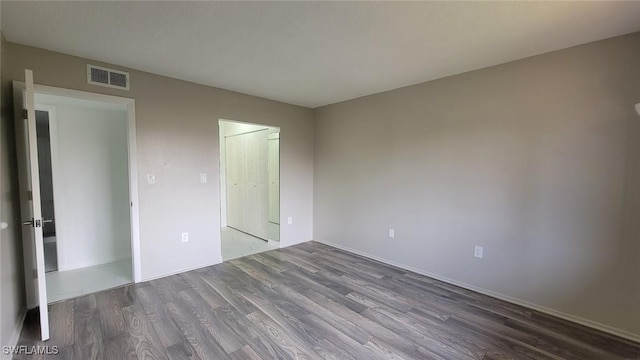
<point>247,183</point>
<point>235,194</point>
<point>30,210</point>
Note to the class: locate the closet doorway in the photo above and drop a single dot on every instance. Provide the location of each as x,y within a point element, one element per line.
<point>249,187</point>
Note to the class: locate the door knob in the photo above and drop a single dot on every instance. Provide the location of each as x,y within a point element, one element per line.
<point>35,223</point>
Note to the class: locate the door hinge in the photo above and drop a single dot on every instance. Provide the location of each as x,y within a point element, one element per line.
<point>25,114</point>
<point>29,195</point>
<point>34,272</point>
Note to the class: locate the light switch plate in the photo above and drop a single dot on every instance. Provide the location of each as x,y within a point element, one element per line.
<point>151,179</point>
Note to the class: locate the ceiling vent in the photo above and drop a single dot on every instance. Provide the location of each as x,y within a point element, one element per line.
<point>100,76</point>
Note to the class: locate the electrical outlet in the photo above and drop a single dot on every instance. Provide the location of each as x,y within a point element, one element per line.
<point>477,252</point>
<point>151,179</point>
<point>185,237</point>
<point>392,233</point>
<point>290,220</point>
<point>203,178</point>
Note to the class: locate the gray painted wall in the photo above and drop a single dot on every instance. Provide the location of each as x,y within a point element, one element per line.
<point>537,160</point>
<point>177,139</point>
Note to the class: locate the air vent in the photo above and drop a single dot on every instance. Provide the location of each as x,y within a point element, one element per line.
<point>97,75</point>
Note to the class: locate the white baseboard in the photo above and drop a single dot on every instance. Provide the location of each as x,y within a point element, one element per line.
<point>190,268</point>
<point>284,245</point>
<point>576,319</point>
<point>15,336</point>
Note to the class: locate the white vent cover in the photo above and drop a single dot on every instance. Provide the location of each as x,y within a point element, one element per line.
<point>97,75</point>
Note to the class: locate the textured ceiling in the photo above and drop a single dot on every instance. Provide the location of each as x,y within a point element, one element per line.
<point>312,53</point>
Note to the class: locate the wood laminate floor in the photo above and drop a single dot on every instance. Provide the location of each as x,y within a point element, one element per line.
<point>310,301</point>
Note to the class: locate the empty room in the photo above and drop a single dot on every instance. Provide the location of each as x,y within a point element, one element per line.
<point>320,180</point>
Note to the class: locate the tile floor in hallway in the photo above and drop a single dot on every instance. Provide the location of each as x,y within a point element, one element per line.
<point>73,283</point>
<point>236,244</point>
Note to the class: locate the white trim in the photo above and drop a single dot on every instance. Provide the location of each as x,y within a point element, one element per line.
<point>133,193</point>
<point>576,319</point>
<point>133,162</point>
<point>183,270</point>
<point>297,243</point>
<point>15,336</point>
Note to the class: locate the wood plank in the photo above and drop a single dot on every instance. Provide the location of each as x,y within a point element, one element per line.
<point>271,329</point>
<point>206,292</point>
<point>228,339</point>
<point>245,353</point>
<point>340,323</point>
<point>216,280</point>
<point>200,338</point>
<point>269,349</point>
<point>120,347</point>
<point>110,310</point>
<point>182,351</point>
<point>62,323</point>
<point>298,262</point>
<point>157,314</point>
<point>145,341</point>
<point>87,325</point>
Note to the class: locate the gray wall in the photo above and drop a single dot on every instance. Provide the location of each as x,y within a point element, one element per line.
<point>177,139</point>
<point>12,301</point>
<point>537,160</point>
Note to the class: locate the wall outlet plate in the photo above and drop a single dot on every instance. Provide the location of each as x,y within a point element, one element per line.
<point>151,179</point>
<point>477,252</point>
<point>185,237</point>
<point>392,233</point>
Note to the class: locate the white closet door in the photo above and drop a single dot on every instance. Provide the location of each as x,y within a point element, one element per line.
<point>235,186</point>
<point>248,183</point>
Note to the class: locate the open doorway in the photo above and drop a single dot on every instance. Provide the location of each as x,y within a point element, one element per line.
<point>249,187</point>
<point>84,191</point>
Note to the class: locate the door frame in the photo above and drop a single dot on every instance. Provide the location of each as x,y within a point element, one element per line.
<point>130,104</point>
